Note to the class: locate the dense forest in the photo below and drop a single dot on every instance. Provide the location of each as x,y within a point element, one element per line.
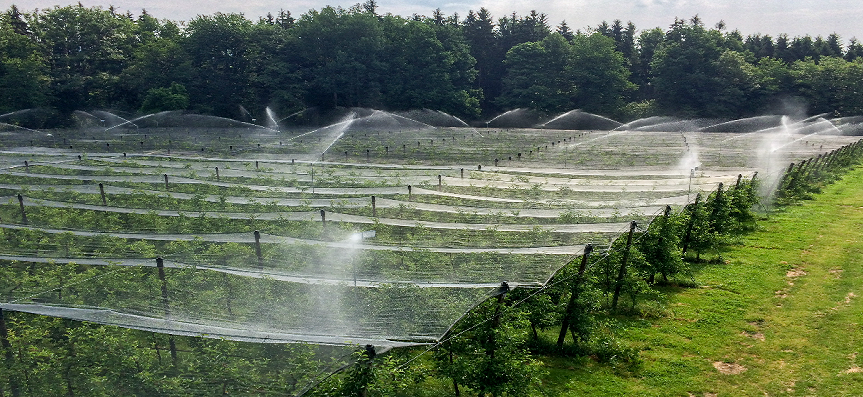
<point>74,57</point>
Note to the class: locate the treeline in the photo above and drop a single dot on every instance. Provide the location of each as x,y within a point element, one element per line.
<point>73,58</point>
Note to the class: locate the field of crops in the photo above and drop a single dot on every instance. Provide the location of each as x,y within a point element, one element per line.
<point>376,230</point>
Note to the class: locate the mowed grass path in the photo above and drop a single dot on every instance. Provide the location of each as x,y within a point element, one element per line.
<point>782,316</point>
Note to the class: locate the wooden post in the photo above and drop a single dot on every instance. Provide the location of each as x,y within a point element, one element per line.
<point>26,166</point>
<point>256,164</point>
<point>479,167</point>
<point>785,177</point>
<point>102,193</point>
<point>323,219</point>
<point>160,266</point>
<point>622,273</point>
<point>374,208</point>
<point>812,171</point>
<point>495,162</point>
<point>573,297</point>
<point>717,201</point>
<point>462,173</point>
<point>691,223</point>
<point>258,249</point>
<point>439,182</point>
<point>166,181</point>
<point>409,193</point>
<point>217,174</point>
<point>23,213</point>
<point>792,184</point>
<point>501,294</point>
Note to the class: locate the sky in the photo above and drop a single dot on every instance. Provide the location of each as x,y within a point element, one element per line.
<point>793,17</point>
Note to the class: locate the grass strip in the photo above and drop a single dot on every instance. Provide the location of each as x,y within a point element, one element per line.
<point>781,315</point>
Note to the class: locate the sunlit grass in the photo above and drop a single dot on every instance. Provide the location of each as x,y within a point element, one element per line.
<point>782,315</point>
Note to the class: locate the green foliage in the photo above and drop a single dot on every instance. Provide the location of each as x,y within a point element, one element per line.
<point>218,48</point>
<point>74,58</point>
<point>661,246</point>
<point>638,110</point>
<point>87,50</point>
<point>699,235</point>
<point>599,73</point>
<point>605,272</point>
<point>52,356</point>
<point>488,355</point>
<point>174,97</point>
<point>830,84</point>
<point>555,75</point>
<point>23,72</point>
<point>542,310</point>
<point>684,69</point>
<point>538,76</point>
<point>744,198</point>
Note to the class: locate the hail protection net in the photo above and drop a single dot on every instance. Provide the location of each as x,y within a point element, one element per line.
<point>377,228</point>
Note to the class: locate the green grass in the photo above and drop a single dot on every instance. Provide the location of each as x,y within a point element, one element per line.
<point>786,305</point>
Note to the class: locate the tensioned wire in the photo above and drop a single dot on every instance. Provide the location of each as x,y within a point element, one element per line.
<point>554,284</point>
<point>606,253</point>
<point>66,285</point>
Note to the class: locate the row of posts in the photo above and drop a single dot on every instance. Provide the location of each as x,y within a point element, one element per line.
<point>814,168</point>
<point>621,274</point>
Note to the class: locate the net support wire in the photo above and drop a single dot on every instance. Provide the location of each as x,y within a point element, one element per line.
<point>605,253</point>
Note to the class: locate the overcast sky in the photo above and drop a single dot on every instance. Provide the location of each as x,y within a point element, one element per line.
<point>794,17</point>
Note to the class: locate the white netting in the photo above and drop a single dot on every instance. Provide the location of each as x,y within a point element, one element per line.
<point>454,212</point>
